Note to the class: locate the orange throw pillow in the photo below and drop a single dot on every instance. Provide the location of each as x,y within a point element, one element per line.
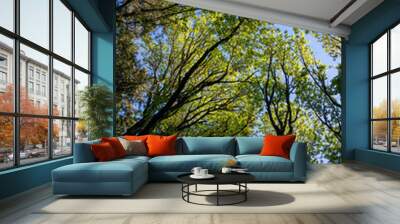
<point>136,137</point>
<point>161,145</point>
<point>277,145</point>
<point>103,152</point>
<point>116,145</point>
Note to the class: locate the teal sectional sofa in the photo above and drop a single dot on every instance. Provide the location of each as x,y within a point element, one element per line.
<point>125,176</point>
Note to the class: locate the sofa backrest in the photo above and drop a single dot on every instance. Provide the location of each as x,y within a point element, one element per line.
<point>191,146</point>
<point>83,152</point>
<point>249,145</point>
<point>206,145</point>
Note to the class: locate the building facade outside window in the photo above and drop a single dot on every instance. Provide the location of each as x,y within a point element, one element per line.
<point>37,90</point>
<point>3,61</point>
<point>46,123</point>
<point>30,87</point>
<point>3,72</point>
<point>3,78</point>
<point>31,72</point>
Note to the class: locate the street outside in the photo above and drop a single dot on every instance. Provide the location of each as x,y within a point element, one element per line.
<point>32,156</point>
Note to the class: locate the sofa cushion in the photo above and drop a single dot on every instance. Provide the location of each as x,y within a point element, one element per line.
<point>249,145</point>
<point>206,145</point>
<point>112,171</point>
<point>133,158</point>
<point>161,145</point>
<point>277,145</point>
<point>185,163</point>
<point>135,137</point>
<point>116,145</point>
<point>134,147</point>
<point>257,163</point>
<point>103,152</point>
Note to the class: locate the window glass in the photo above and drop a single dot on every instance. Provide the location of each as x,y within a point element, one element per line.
<point>62,29</point>
<point>395,95</point>
<point>7,14</point>
<point>39,62</point>
<point>37,89</point>
<point>379,135</point>
<point>81,82</point>
<point>34,21</point>
<point>34,81</point>
<point>33,140</point>
<point>379,98</point>
<point>81,131</point>
<point>395,136</point>
<point>62,89</point>
<point>379,56</point>
<point>395,47</point>
<point>62,138</point>
<point>81,45</point>
<point>6,74</point>
<point>30,87</point>
<point>6,142</point>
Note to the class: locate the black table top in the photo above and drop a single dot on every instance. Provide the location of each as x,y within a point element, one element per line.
<point>220,178</point>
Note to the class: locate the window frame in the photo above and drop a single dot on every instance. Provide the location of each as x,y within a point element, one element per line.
<point>16,114</point>
<point>388,74</point>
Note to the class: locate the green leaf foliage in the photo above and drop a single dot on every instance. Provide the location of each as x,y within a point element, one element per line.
<point>97,104</point>
<point>193,72</point>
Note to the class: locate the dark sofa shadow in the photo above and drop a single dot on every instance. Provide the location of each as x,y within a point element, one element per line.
<point>256,198</point>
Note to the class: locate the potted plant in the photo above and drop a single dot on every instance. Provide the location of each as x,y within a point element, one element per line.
<point>96,102</point>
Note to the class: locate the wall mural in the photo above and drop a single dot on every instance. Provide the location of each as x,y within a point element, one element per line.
<point>193,72</point>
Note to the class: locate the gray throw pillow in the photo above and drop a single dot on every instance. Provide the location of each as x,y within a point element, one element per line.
<point>135,147</point>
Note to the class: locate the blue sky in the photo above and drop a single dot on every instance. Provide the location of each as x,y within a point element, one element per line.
<point>318,50</point>
<point>321,55</point>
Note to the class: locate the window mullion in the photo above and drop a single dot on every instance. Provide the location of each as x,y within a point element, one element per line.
<point>371,89</point>
<point>389,106</point>
<point>73,82</point>
<point>16,70</point>
<point>50,81</point>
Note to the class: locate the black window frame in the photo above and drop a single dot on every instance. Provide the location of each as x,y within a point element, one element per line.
<point>388,74</point>
<point>16,115</point>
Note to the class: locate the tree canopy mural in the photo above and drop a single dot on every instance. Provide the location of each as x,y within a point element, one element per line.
<point>193,72</point>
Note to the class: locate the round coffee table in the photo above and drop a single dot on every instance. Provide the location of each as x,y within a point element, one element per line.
<point>238,179</point>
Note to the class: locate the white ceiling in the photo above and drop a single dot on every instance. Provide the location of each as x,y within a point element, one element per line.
<point>316,15</point>
<point>321,9</point>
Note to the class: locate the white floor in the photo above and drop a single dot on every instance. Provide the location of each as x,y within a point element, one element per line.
<point>376,189</point>
<point>262,198</point>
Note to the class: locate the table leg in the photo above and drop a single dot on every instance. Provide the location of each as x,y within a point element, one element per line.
<point>245,193</point>
<point>188,190</point>
<point>182,189</point>
<point>217,194</point>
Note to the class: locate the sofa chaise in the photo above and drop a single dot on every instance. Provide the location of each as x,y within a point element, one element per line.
<point>125,176</point>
